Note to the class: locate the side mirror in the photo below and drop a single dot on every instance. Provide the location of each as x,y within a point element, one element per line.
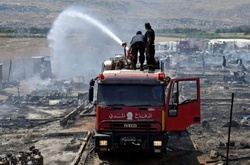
<point>92,82</point>
<point>91,93</point>
<point>172,112</point>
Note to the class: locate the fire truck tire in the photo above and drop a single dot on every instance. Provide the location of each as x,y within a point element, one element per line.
<point>101,154</point>
<point>159,155</point>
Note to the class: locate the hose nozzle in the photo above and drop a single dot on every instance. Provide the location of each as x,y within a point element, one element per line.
<point>124,44</point>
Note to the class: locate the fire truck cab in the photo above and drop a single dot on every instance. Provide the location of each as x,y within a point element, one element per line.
<point>135,109</point>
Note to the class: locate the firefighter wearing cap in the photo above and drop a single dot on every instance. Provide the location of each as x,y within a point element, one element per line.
<point>137,44</point>
<point>149,46</point>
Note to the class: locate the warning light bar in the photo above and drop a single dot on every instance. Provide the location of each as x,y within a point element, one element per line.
<point>161,76</point>
<point>101,76</point>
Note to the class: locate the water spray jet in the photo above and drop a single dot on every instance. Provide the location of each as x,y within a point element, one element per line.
<point>85,17</point>
<point>89,53</point>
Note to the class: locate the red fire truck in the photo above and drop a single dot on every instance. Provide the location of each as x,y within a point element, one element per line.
<point>191,45</point>
<point>135,110</point>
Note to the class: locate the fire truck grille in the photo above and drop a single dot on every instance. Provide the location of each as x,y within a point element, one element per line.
<point>130,126</point>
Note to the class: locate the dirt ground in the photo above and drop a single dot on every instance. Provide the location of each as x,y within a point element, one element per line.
<point>23,126</point>
<point>194,148</point>
<point>32,125</point>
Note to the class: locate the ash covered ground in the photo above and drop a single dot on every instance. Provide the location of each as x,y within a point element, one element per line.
<point>32,107</point>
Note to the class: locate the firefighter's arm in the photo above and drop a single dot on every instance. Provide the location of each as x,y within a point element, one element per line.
<point>148,41</point>
<point>147,45</point>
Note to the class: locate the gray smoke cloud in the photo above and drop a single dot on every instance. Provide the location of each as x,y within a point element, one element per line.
<point>80,43</point>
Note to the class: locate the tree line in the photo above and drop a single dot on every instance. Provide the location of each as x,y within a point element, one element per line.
<point>24,31</point>
<point>188,31</point>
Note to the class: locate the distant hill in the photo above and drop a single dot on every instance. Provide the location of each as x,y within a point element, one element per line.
<point>203,14</point>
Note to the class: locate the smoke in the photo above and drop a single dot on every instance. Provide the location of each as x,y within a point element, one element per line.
<point>79,44</point>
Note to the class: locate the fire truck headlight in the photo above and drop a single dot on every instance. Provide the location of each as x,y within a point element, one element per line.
<point>103,143</point>
<point>157,143</point>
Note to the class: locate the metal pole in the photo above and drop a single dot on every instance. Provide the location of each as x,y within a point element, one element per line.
<point>1,77</point>
<point>9,70</point>
<point>229,129</point>
<point>24,72</point>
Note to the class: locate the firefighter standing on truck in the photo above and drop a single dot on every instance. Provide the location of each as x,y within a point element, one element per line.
<point>137,44</point>
<point>150,47</point>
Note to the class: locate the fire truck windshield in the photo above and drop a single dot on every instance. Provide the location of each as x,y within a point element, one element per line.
<point>130,95</point>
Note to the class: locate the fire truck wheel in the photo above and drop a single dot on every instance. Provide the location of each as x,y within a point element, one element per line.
<point>159,155</point>
<point>101,154</point>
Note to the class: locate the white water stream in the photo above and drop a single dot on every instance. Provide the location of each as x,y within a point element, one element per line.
<point>79,44</point>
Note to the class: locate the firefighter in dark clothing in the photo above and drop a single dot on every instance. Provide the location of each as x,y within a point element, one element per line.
<point>150,47</point>
<point>137,44</point>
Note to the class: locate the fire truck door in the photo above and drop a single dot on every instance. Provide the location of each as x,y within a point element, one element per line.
<point>182,103</point>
